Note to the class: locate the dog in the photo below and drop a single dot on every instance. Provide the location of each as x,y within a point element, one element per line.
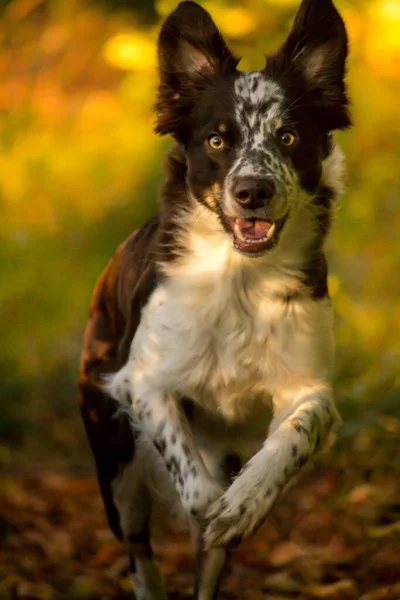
<point>206,374</point>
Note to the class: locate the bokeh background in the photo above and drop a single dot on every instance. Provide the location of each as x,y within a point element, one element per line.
<point>79,170</point>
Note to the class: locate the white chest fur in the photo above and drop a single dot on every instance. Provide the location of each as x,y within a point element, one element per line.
<point>217,331</point>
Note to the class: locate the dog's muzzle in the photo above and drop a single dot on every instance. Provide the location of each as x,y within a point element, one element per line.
<point>254,236</point>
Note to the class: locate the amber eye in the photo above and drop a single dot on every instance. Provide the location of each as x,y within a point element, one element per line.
<point>216,141</point>
<point>288,138</point>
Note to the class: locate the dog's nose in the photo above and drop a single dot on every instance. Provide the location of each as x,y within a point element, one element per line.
<point>253,192</point>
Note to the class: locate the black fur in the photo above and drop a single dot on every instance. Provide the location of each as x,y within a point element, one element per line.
<point>318,35</point>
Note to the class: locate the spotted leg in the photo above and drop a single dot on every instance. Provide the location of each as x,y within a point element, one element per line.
<point>302,422</point>
<point>163,419</point>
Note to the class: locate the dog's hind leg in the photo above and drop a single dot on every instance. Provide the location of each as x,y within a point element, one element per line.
<point>209,567</point>
<point>120,451</point>
<point>133,502</point>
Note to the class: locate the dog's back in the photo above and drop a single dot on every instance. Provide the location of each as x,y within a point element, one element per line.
<point>117,299</point>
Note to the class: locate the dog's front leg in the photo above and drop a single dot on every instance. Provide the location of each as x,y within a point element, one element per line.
<point>163,419</point>
<point>165,422</point>
<point>302,422</point>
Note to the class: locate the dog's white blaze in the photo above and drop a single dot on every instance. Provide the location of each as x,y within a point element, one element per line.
<point>258,108</point>
<point>252,91</point>
<point>253,87</point>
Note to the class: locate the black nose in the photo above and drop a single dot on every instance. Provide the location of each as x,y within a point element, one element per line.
<point>253,192</point>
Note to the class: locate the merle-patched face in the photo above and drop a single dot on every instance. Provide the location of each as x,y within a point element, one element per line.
<point>255,141</point>
<point>253,156</point>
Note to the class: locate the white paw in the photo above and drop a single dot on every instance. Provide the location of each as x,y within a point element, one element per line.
<point>238,513</point>
<point>118,385</point>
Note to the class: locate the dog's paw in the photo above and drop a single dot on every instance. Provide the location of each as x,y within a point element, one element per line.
<point>118,385</point>
<point>236,515</point>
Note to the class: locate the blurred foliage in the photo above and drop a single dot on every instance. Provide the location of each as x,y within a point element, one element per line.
<point>80,168</point>
<point>144,7</point>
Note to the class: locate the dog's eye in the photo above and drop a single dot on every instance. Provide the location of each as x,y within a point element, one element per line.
<point>288,138</point>
<point>216,142</point>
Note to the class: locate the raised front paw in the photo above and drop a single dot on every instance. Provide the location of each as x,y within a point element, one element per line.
<point>237,515</point>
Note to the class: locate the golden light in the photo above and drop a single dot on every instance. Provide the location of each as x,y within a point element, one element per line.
<point>233,21</point>
<point>355,24</point>
<point>386,15</point>
<point>282,2</point>
<point>130,51</point>
<point>391,9</point>
<point>333,285</point>
<point>163,7</point>
<point>383,49</point>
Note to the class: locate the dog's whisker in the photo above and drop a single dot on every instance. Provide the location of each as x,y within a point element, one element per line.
<point>295,104</point>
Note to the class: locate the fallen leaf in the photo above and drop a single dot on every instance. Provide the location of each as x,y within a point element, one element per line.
<point>361,493</point>
<point>34,591</point>
<point>391,592</point>
<point>284,553</point>
<point>281,582</point>
<point>384,531</point>
<point>341,590</point>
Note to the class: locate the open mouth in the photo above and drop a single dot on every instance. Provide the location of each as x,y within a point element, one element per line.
<point>254,236</point>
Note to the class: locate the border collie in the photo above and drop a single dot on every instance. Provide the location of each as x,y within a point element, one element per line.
<point>206,375</point>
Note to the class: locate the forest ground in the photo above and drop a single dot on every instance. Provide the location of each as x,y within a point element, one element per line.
<point>334,535</point>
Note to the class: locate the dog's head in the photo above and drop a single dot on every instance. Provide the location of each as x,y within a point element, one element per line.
<point>255,142</point>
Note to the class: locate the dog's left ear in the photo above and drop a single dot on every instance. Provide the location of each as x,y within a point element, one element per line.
<point>316,50</point>
<point>191,51</point>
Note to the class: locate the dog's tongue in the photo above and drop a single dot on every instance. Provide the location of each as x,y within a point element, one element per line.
<point>254,230</point>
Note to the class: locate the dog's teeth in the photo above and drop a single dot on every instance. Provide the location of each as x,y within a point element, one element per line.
<point>239,234</point>
<point>271,231</point>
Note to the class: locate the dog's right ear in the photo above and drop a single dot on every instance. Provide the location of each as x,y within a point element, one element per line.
<point>316,50</point>
<point>191,51</point>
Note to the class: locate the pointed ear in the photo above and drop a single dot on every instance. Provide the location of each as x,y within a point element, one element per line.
<point>191,51</point>
<point>316,50</point>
